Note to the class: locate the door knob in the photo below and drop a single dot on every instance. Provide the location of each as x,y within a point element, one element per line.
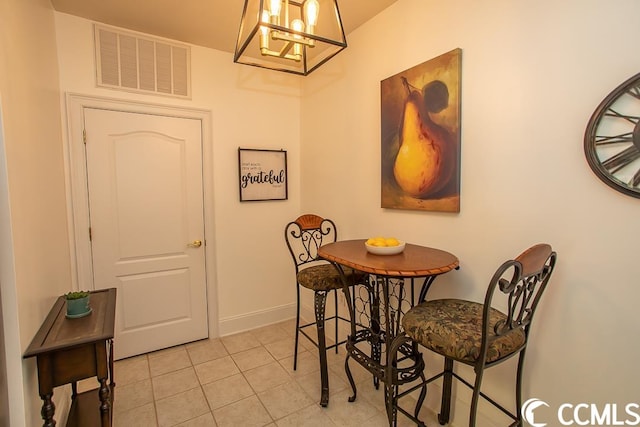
<point>195,244</point>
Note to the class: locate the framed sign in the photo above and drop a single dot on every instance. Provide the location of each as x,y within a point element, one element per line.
<point>263,174</point>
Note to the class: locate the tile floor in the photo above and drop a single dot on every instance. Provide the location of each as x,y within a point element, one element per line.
<point>244,380</point>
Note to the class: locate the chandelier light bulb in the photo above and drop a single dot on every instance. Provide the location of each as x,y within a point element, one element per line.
<point>275,6</point>
<point>311,10</point>
<point>297,25</point>
<point>265,18</point>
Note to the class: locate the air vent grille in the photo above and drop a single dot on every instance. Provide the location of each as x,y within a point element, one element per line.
<point>132,62</point>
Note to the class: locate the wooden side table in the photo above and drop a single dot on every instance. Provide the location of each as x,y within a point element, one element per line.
<point>69,350</point>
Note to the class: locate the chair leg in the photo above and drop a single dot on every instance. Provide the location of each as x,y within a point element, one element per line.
<point>476,396</point>
<point>447,380</point>
<point>519,387</point>
<point>423,395</point>
<point>320,302</point>
<point>295,346</point>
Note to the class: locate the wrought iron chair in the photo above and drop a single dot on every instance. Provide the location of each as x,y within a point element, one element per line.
<point>304,236</point>
<point>480,335</point>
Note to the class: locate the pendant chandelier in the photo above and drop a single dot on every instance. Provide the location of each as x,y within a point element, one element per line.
<point>294,36</point>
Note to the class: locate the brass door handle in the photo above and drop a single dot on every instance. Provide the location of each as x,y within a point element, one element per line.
<point>195,244</point>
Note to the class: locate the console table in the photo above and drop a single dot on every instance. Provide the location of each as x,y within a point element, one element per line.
<point>69,350</point>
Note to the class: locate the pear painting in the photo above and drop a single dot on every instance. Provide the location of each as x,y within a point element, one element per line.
<point>421,136</point>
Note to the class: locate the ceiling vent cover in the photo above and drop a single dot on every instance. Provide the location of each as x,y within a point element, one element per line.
<point>129,61</point>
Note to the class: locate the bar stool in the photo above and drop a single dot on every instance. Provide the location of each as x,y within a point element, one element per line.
<point>480,335</point>
<point>304,236</point>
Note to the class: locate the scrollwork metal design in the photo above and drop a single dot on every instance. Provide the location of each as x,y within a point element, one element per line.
<point>522,291</point>
<point>305,236</point>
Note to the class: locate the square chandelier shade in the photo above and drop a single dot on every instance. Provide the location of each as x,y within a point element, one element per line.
<point>289,35</point>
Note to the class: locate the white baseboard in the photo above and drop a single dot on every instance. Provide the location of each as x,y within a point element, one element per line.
<point>257,319</point>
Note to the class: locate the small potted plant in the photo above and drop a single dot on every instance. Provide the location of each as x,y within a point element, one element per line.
<point>77,304</point>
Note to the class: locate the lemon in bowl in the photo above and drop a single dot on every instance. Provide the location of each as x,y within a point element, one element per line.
<point>384,245</point>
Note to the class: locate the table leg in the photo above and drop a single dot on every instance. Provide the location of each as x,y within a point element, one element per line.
<point>376,345</point>
<point>48,410</point>
<point>320,302</point>
<point>389,397</point>
<point>105,404</point>
<point>112,383</point>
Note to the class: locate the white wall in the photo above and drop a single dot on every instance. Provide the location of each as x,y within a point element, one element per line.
<point>34,242</point>
<point>532,74</point>
<point>251,108</point>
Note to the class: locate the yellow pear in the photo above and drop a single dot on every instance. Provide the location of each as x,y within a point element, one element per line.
<point>425,162</point>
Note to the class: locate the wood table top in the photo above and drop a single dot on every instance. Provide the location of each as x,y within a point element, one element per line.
<point>58,332</point>
<point>414,261</point>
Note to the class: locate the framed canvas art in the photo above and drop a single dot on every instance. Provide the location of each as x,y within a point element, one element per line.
<point>263,174</point>
<point>420,136</point>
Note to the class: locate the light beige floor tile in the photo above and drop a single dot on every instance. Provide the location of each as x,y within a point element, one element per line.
<point>288,326</point>
<point>337,360</point>
<point>181,407</point>
<point>205,420</point>
<point>129,396</point>
<point>227,390</point>
<point>266,377</point>
<point>171,360</point>
<point>310,383</point>
<point>248,412</point>
<point>270,334</point>
<point>284,399</point>
<point>166,351</point>
<point>127,371</point>
<point>306,343</point>
<point>206,350</point>
<point>252,358</point>
<point>216,369</point>
<point>174,382</point>
<point>307,362</point>
<point>142,416</point>
<point>329,336</point>
<point>240,342</point>
<point>345,413</point>
<point>87,384</point>
<point>282,348</point>
<point>311,416</point>
<point>188,381</point>
<point>366,390</point>
<point>426,416</point>
<point>358,372</point>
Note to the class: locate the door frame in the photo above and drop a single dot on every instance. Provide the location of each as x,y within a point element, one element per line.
<point>77,189</point>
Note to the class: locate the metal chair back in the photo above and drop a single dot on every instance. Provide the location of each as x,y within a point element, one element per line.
<point>305,235</point>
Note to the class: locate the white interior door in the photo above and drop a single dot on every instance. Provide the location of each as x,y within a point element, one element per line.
<point>144,175</point>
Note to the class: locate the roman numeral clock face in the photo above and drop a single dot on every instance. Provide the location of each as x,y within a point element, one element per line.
<point>612,138</point>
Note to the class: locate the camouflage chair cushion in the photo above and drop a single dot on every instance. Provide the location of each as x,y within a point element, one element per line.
<point>453,328</point>
<point>325,277</point>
